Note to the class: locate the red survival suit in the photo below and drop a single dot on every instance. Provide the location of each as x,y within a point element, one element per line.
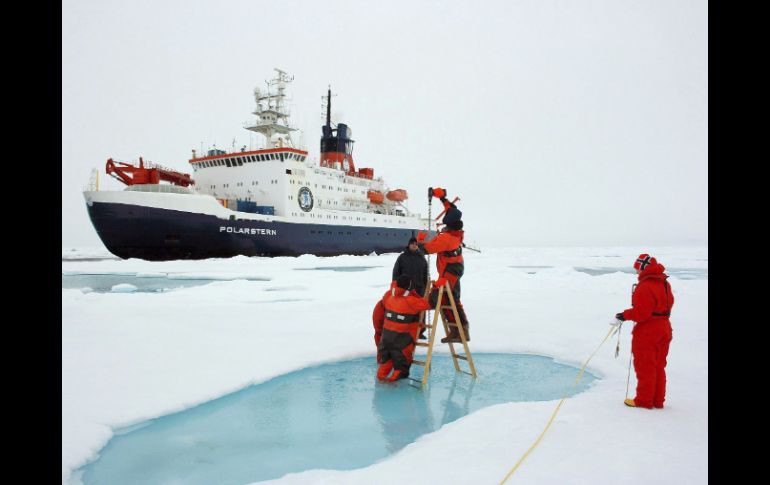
<point>651,307</point>
<point>449,262</point>
<point>396,321</point>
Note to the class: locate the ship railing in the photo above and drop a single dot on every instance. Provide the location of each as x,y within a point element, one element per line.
<point>160,167</point>
<point>160,188</point>
<point>254,124</point>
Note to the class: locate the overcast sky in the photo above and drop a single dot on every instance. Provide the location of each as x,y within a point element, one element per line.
<point>556,122</point>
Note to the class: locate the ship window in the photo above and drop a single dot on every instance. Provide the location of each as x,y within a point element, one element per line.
<point>280,155</point>
<point>227,161</point>
<point>240,162</point>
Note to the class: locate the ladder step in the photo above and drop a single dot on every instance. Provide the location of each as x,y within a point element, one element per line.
<point>422,344</point>
<point>446,307</point>
<point>418,362</point>
<point>461,357</point>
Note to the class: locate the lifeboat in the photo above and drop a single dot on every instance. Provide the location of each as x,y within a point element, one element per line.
<point>398,195</point>
<point>375,197</point>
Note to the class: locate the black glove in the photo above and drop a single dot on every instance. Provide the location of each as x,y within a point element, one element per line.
<point>620,317</point>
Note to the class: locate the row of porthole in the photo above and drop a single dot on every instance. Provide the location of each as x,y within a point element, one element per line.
<point>302,214</point>
<point>323,187</point>
<point>240,184</point>
<point>341,233</point>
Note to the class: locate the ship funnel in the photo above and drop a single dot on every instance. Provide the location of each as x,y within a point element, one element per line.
<point>336,148</point>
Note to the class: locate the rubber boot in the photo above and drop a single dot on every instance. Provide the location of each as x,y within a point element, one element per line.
<point>466,332</point>
<point>454,336</point>
<point>396,375</point>
<point>384,370</point>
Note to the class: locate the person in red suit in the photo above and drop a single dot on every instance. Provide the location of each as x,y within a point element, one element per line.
<point>398,327</point>
<point>448,246</point>
<point>651,304</point>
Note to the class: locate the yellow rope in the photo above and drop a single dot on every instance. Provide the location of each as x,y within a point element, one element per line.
<point>550,421</point>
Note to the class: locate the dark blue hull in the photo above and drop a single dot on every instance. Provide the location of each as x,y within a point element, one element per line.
<point>132,231</point>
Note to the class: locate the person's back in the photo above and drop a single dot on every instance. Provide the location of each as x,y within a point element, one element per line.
<point>399,330</point>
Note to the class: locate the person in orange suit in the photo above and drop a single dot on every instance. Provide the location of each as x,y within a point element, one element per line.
<point>400,323</point>
<point>448,246</point>
<point>651,304</point>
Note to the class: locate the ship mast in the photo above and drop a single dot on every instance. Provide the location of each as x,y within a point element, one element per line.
<point>272,112</point>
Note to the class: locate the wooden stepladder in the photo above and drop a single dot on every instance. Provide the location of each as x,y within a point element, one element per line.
<point>445,291</point>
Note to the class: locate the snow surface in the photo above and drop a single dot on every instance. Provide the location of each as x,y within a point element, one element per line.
<point>127,357</point>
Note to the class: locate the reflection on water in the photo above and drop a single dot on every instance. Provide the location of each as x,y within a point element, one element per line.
<point>333,416</point>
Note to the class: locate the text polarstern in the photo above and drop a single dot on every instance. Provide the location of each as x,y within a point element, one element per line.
<point>247,230</point>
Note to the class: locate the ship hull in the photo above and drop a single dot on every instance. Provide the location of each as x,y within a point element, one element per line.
<point>161,234</point>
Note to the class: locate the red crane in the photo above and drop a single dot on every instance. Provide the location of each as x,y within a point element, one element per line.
<point>131,175</point>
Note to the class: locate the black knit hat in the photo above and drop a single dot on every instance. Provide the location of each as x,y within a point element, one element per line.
<point>404,282</point>
<point>412,240</point>
<point>452,216</point>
